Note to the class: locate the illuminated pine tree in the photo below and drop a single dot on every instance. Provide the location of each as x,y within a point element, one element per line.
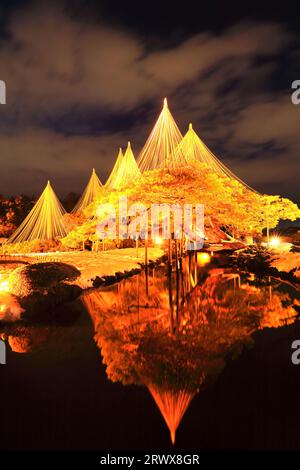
<point>44,221</point>
<point>92,190</point>
<point>124,171</point>
<point>172,405</point>
<point>110,181</point>
<point>161,149</point>
<point>195,150</point>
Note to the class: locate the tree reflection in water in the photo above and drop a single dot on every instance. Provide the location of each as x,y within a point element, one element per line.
<point>173,332</point>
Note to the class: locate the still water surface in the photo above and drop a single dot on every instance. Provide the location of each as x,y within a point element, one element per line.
<point>199,356</point>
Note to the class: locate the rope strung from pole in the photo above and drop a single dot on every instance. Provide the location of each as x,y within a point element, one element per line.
<point>92,190</point>
<point>44,221</point>
<point>164,139</point>
<point>125,170</point>
<point>195,150</point>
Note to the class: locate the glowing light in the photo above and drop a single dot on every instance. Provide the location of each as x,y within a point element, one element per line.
<point>274,242</point>
<point>124,171</point>
<point>110,181</point>
<point>195,150</point>
<point>44,221</point>
<point>172,405</point>
<point>92,190</point>
<point>164,139</point>
<point>158,241</point>
<point>4,285</point>
<point>203,258</point>
<point>166,148</point>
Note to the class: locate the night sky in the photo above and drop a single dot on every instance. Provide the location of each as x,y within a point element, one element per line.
<point>84,77</point>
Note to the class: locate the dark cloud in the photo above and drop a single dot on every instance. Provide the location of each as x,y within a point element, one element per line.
<point>77,90</point>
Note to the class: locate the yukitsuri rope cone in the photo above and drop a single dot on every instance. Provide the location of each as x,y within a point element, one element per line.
<point>44,221</point>
<point>92,190</point>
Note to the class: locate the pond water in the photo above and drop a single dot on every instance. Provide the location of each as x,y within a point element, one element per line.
<point>198,356</point>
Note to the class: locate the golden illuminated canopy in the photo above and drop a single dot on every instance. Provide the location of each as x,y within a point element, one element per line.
<point>90,193</point>
<point>44,221</point>
<point>159,150</point>
<point>125,170</point>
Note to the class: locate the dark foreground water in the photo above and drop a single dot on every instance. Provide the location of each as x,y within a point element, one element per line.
<point>179,360</point>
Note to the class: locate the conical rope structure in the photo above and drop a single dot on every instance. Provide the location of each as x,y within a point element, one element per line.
<point>172,405</point>
<point>110,181</point>
<point>195,150</point>
<point>166,148</point>
<point>125,170</point>
<point>92,190</point>
<point>164,139</point>
<point>44,221</point>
